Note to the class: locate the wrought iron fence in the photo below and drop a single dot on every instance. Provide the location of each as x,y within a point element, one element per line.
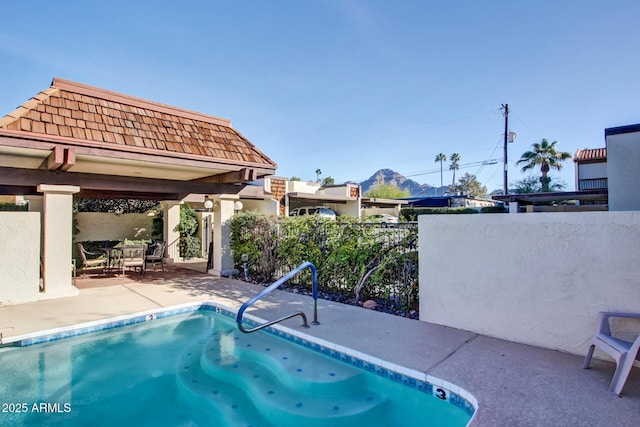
<point>360,260</point>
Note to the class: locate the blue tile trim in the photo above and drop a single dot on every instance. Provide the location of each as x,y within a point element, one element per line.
<point>411,382</point>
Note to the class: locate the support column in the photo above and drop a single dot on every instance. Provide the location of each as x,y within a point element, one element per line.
<point>171,232</point>
<point>57,240</point>
<point>222,259</point>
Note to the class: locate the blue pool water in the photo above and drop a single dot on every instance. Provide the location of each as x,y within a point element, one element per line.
<point>197,369</point>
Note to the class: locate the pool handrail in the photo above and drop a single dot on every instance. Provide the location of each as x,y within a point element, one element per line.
<point>275,285</point>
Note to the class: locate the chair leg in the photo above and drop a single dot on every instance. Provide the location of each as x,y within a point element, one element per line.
<point>587,361</point>
<point>623,367</point>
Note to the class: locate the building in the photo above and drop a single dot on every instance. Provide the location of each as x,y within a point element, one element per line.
<point>623,153</point>
<point>591,171</point>
<point>73,140</point>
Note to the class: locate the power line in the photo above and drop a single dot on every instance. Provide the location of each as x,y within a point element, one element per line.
<point>463,166</point>
<point>526,124</point>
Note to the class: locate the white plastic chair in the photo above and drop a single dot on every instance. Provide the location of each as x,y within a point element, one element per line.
<point>623,352</point>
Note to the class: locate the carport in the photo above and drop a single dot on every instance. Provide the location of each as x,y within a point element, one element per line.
<point>73,139</point>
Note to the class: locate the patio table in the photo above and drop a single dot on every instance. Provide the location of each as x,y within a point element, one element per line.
<point>113,258</point>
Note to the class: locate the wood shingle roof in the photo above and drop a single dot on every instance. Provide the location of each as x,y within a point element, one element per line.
<point>73,111</point>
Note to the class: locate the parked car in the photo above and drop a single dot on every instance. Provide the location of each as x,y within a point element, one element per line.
<point>314,210</point>
<point>383,219</point>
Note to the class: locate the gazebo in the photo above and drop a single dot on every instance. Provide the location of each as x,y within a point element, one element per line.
<point>77,139</point>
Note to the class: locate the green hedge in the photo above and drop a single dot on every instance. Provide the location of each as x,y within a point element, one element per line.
<point>345,252</point>
<point>495,209</point>
<point>5,206</point>
<point>411,214</point>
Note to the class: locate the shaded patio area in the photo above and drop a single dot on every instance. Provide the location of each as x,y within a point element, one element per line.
<point>173,272</point>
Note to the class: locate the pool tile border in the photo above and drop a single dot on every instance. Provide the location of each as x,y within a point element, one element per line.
<point>420,381</point>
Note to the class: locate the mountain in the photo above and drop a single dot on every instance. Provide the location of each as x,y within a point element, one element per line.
<point>388,176</point>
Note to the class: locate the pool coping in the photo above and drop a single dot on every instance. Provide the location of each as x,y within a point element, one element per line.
<point>421,381</point>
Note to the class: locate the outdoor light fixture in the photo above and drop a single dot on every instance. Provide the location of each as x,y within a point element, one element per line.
<point>238,205</point>
<point>208,204</point>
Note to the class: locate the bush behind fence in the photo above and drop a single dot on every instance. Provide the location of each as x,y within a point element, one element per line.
<point>366,261</point>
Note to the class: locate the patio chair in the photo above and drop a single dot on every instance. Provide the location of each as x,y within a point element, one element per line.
<point>91,262</point>
<point>623,352</point>
<point>155,254</point>
<point>133,257</point>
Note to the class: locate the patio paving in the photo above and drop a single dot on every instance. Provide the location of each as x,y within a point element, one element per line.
<point>515,384</point>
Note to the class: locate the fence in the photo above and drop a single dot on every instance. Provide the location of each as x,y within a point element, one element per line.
<point>363,260</point>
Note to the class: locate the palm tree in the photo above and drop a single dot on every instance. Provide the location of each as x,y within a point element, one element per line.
<point>545,155</point>
<point>455,158</point>
<point>441,158</point>
<point>318,173</point>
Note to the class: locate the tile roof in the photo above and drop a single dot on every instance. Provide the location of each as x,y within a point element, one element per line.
<point>84,113</point>
<point>590,155</point>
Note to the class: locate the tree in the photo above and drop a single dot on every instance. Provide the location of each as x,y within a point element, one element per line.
<point>531,184</point>
<point>318,173</point>
<point>328,181</point>
<point>544,155</point>
<point>470,185</point>
<point>386,191</point>
<point>454,166</point>
<point>295,178</point>
<point>441,158</point>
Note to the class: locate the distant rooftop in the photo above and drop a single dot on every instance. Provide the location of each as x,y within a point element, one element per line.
<point>586,155</point>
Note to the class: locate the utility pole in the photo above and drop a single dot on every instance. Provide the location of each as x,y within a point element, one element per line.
<point>505,107</point>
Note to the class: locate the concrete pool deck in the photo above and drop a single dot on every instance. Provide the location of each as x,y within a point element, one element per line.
<point>514,384</point>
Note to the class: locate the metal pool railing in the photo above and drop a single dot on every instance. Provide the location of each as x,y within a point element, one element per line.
<point>274,286</point>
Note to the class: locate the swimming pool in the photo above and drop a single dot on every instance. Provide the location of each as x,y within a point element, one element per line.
<point>190,365</point>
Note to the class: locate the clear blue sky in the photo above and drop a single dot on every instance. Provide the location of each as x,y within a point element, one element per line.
<point>350,86</point>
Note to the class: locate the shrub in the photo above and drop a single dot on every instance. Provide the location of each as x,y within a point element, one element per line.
<point>4,206</point>
<point>411,214</point>
<point>190,245</point>
<point>351,256</point>
<point>495,209</point>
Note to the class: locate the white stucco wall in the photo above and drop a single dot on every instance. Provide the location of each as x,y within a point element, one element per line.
<point>19,257</point>
<point>536,279</point>
<point>110,226</point>
<point>302,187</point>
<point>623,152</point>
<point>269,207</point>
<point>338,190</point>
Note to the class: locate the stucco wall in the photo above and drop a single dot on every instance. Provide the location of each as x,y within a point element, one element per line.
<point>19,257</point>
<point>623,151</point>
<point>110,226</point>
<point>538,279</point>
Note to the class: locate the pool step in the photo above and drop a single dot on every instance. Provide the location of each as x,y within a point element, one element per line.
<point>219,403</point>
<point>286,384</point>
<point>294,366</point>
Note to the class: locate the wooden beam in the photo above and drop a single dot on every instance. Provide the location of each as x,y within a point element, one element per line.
<point>130,185</point>
<point>240,176</point>
<point>18,190</point>
<point>22,139</point>
<point>69,159</point>
<point>60,158</point>
<point>54,160</point>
